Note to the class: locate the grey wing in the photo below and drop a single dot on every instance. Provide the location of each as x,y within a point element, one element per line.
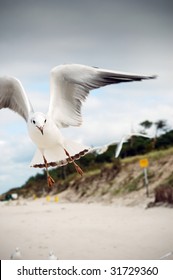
<point>13,96</point>
<point>70,85</point>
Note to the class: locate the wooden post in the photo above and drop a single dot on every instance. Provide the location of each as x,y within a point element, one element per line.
<point>144,164</point>
<point>146,181</point>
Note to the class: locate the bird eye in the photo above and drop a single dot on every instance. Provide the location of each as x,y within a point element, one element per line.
<point>44,121</point>
<point>33,121</point>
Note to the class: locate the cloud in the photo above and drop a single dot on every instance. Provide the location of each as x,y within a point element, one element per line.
<point>16,155</point>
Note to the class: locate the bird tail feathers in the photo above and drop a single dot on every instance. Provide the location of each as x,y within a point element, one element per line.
<point>56,156</point>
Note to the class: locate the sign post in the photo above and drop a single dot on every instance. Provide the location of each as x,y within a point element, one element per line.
<point>144,164</point>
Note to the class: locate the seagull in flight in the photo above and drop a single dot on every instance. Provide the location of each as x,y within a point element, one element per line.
<point>99,150</point>
<point>125,138</point>
<point>70,84</point>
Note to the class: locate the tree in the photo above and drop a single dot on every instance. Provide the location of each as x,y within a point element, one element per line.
<point>160,125</point>
<point>146,125</point>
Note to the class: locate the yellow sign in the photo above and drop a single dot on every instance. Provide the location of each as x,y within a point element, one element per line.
<point>144,163</point>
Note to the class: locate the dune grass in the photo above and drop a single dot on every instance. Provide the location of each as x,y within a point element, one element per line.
<point>154,155</point>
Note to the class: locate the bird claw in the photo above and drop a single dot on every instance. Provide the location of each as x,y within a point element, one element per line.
<point>50,181</point>
<point>79,170</point>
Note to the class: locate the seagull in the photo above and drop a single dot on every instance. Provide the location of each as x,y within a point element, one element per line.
<point>52,256</point>
<point>70,84</point>
<point>16,255</point>
<point>125,138</point>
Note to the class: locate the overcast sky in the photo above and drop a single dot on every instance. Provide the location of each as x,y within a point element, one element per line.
<point>123,35</point>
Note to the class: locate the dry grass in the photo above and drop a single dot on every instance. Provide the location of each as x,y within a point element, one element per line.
<point>154,155</point>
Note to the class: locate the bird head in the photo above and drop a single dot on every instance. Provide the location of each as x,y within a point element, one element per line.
<point>38,120</point>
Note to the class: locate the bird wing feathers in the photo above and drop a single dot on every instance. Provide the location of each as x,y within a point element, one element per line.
<point>125,138</point>
<point>70,85</point>
<point>13,96</point>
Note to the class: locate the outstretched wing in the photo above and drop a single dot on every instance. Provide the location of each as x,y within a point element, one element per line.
<point>70,85</point>
<point>13,96</point>
<point>139,134</point>
<point>119,146</point>
<point>102,149</point>
<point>125,139</point>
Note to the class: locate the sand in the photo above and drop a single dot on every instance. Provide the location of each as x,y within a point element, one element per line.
<point>84,230</point>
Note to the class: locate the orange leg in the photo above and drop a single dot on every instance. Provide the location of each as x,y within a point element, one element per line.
<point>50,180</point>
<point>78,169</point>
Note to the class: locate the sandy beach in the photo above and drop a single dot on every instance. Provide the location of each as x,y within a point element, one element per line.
<point>84,230</point>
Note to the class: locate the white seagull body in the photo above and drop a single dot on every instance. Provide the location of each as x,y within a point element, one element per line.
<point>16,255</point>
<point>52,256</point>
<point>69,86</point>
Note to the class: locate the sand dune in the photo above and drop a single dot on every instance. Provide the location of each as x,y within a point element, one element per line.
<point>84,231</point>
